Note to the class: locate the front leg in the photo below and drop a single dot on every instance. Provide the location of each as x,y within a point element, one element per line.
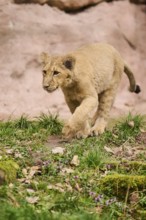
<point>78,123</point>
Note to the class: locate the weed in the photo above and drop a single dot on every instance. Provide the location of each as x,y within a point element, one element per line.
<point>51,123</point>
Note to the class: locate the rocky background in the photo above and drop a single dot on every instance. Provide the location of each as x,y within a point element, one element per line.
<point>58,26</point>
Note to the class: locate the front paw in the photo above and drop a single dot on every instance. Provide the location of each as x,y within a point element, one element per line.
<point>82,134</point>
<point>68,132</point>
<point>99,127</point>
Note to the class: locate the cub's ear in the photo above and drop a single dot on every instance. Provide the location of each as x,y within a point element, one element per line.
<point>44,57</point>
<point>69,62</point>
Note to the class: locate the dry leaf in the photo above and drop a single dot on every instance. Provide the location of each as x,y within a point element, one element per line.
<point>57,186</point>
<point>128,151</point>
<point>32,171</point>
<point>68,187</point>
<point>11,185</point>
<point>99,209</point>
<point>22,180</point>
<point>109,150</point>
<point>30,191</point>
<point>75,161</point>
<point>9,151</point>
<point>67,170</point>
<point>134,198</point>
<point>24,171</point>
<point>118,151</point>
<point>58,150</point>
<point>77,187</point>
<point>32,200</point>
<point>142,130</point>
<point>131,124</point>
<point>18,155</point>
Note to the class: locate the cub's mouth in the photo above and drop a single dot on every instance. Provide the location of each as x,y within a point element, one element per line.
<point>50,89</point>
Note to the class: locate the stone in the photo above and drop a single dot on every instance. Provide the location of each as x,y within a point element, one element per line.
<point>66,5</point>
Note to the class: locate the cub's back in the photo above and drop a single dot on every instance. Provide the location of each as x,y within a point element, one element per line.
<point>99,56</point>
<point>97,61</point>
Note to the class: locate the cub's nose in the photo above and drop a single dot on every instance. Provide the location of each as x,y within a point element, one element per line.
<point>46,87</point>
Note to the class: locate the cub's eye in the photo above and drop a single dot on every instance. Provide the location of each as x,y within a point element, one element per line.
<point>55,73</point>
<point>44,72</point>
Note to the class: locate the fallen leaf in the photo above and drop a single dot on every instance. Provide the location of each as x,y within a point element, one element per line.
<point>58,150</point>
<point>131,124</point>
<point>68,187</point>
<point>24,180</point>
<point>32,171</point>
<point>99,209</point>
<point>77,187</point>
<point>141,138</point>
<point>128,151</point>
<point>67,170</point>
<point>11,185</point>
<point>32,200</point>
<point>30,191</point>
<point>142,130</point>
<point>109,150</point>
<point>57,186</point>
<point>118,151</point>
<point>9,151</point>
<point>24,171</point>
<point>18,155</point>
<point>134,198</point>
<point>75,161</point>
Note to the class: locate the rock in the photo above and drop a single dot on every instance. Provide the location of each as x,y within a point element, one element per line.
<point>66,5</point>
<point>75,161</point>
<point>8,171</point>
<point>138,1</point>
<point>58,150</point>
<point>119,183</point>
<point>71,5</point>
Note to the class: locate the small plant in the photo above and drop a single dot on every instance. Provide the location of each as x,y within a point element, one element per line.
<point>22,123</point>
<point>51,123</point>
<point>94,158</point>
<point>129,128</point>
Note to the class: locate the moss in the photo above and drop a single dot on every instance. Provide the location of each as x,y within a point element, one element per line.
<point>127,165</point>
<point>8,171</point>
<point>141,214</point>
<point>119,185</point>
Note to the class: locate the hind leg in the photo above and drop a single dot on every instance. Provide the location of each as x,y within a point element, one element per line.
<point>101,116</point>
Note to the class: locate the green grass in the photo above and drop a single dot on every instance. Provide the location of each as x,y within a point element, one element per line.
<point>66,191</point>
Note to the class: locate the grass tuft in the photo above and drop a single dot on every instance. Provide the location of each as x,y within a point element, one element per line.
<point>22,123</point>
<point>51,123</point>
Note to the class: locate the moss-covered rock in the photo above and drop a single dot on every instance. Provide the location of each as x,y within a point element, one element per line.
<point>141,214</point>
<point>119,185</point>
<point>126,166</point>
<point>8,171</point>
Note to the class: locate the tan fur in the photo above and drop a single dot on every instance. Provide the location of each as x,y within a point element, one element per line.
<point>89,78</point>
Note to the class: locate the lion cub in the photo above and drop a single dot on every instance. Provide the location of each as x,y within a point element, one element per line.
<point>89,78</point>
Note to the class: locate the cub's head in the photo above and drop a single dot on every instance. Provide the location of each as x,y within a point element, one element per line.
<point>57,71</point>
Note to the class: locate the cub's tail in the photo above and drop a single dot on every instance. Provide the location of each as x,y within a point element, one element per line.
<point>133,87</point>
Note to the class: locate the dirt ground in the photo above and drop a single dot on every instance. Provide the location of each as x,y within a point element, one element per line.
<point>27,30</point>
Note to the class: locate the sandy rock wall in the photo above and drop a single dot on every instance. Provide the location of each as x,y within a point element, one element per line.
<point>66,5</point>
<point>28,29</point>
